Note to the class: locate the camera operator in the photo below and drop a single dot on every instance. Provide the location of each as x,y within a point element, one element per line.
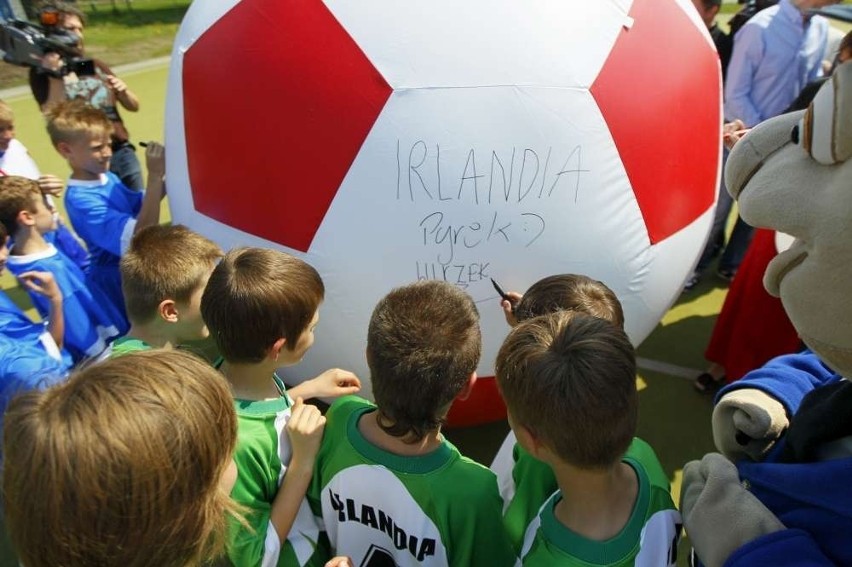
<point>102,89</point>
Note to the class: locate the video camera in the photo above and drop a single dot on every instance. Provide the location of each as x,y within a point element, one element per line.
<point>24,43</point>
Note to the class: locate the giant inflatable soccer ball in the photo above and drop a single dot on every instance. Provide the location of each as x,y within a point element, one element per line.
<point>385,142</point>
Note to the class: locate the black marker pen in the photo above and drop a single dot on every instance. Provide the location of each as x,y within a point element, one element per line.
<point>503,294</point>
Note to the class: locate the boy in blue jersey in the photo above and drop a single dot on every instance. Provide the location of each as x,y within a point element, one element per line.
<point>104,212</point>
<point>16,160</point>
<point>163,275</point>
<point>24,214</point>
<point>31,354</point>
<point>569,383</point>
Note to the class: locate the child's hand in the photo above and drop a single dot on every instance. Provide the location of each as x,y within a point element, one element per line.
<point>334,383</point>
<point>304,428</point>
<point>50,185</point>
<point>339,561</point>
<point>155,159</point>
<point>42,283</point>
<point>507,307</point>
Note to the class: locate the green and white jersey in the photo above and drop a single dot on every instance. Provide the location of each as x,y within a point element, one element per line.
<point>380,508</point>
<point>126,345</point>
<point>525,483</point>
<point>649,539</point>
<point>262,454</point>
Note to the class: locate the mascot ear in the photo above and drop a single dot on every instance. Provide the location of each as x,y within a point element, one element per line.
<point>825,131</point>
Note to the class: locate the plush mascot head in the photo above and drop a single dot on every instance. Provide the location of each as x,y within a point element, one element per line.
<point>794,174</point>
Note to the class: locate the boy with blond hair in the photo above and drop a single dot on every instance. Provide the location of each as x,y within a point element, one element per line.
<point>391,489</point>
<point>104,212</point>
<point>24,214</point>
<point>16,160</point>
<point>128,463</point>
<point>163,275</point>
<point>262,307</point>
<point>569,383</point>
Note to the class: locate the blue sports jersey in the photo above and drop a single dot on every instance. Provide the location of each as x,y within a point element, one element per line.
<point>103,213</point>
<point>25,366</point>
<point>87,325</point>
<point>15,325</point>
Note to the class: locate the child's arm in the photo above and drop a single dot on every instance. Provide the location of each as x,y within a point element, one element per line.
<point>43,283</point>
<point>330,384</point>
<point>149,214</point>
<point>304,429</point>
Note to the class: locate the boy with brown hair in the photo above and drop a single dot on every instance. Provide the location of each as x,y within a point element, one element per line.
<point>103,211</point>
<point>525,482</point>
<point>569,382</point>
<point>25,216</point>
<point>391,489</point>
<point>163,275</point>
<point>262,307</point>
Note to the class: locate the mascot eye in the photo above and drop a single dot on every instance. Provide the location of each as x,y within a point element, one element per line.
<point>794,135</point>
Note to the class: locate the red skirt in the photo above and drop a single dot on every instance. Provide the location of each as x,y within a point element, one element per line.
<point>752,327</point>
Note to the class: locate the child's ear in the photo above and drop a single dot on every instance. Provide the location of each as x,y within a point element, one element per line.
<point>25,218</point>
<point>275,350</point>
<point>64,148</point>
<point>167,309</point>
<point>468,388</point>
<point>528,440</point>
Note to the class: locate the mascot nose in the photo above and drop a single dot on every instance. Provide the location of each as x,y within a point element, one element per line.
<point>750,153</point>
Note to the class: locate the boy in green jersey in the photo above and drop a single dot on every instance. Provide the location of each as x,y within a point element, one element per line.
<point>569,383</point>
<point>390,488</point>
<point>262,308</point>
<point>163,275</point>
<point>524,481</point>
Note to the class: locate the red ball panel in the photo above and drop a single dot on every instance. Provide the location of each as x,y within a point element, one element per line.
<point>649,93</point>
<point>306,97</point>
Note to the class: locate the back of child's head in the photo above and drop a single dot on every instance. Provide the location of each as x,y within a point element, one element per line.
<point>570,292</point>
<point>6,115</point>
<point>16,194</point>
<point>72,120</point>
<point>570,379</point>
<point>164,262</point>
<point>256,296</point>
<point>121,465</point>
<point>423,344</point>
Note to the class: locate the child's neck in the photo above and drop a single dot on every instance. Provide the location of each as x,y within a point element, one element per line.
<point>596,504</point>
<point>368,426</point>
<point>251,381</point>
<point>150,335</point>
<point>29,241</point>
<point>83,175</point>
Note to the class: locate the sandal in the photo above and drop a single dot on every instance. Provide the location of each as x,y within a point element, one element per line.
<point>706,383</point>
